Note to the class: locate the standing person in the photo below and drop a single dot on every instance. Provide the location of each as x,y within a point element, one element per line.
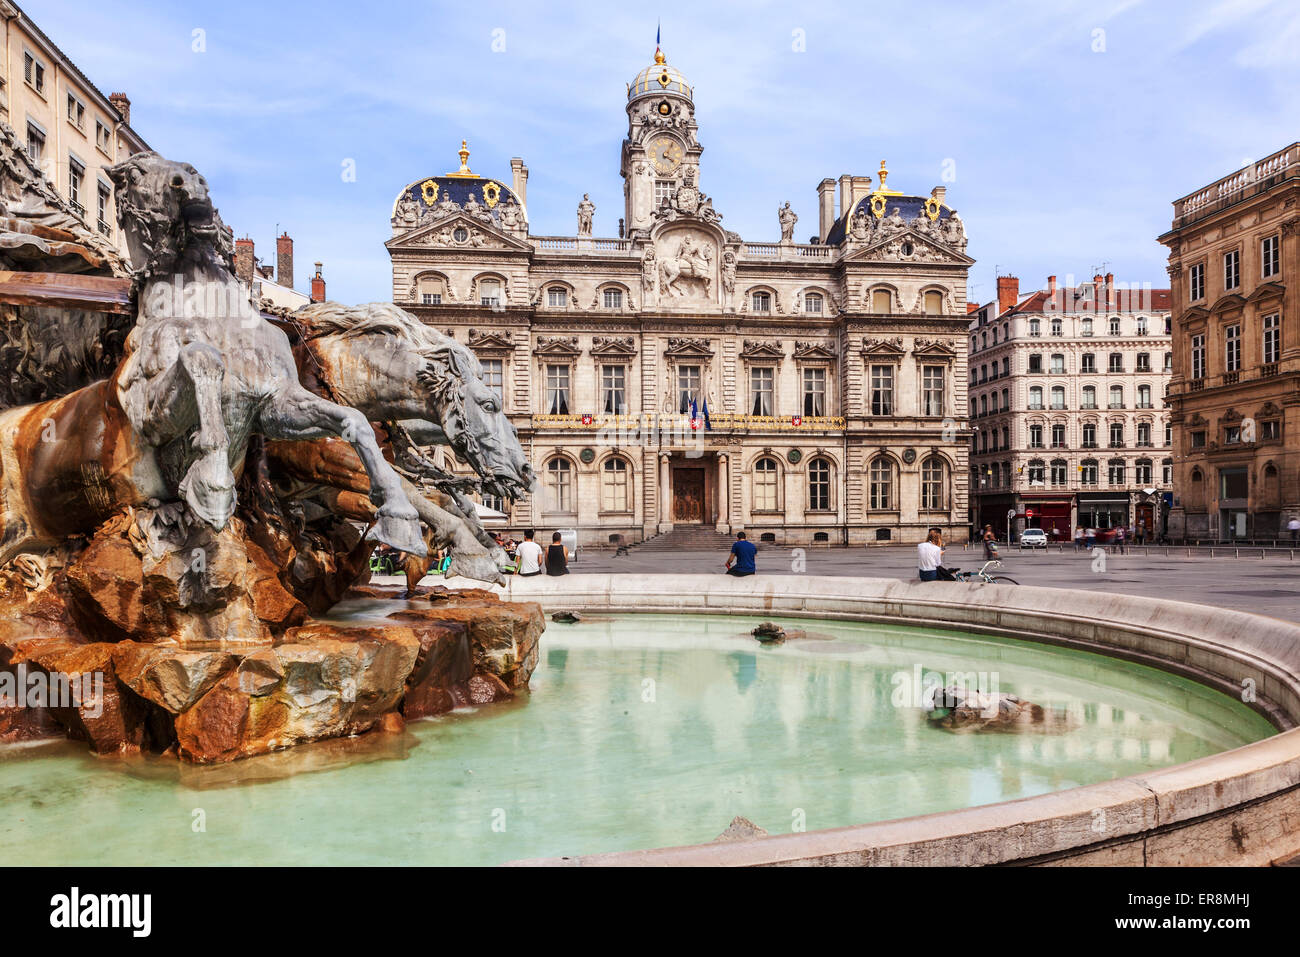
<point>1089,538</point>
<point>1293,527</point>
<point>1119,539</point>
<point>929,556</point>
<point>1142,531</point>
<point>528,557</point>
<point>742,553</point>
<point>557,557</point>
<point>1078,537</point>
<point>990,543</point>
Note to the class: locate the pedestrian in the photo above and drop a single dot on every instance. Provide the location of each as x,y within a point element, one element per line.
<point>557,557</point>
<point>1142,531</point>
<point>1119,539</point>
<point>929,556</point>
<point>528,557</point>
<point>1089,538</point>
<point>990,543</point>
<point>1078,538</point>
<point>1294,527</point>
<point>742,553</point>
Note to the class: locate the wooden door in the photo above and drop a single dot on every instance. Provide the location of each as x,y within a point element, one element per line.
<point>688,495</point>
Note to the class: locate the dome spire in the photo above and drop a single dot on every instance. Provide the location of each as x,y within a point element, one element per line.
<point>659,56</point>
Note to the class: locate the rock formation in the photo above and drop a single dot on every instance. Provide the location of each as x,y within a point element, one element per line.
<point>962,709</point>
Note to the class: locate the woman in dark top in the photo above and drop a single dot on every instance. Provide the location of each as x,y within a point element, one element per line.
<point>557,557</point>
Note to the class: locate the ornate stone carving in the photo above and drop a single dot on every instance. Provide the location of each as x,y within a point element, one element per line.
<point>892,344</point>
<point>762,348</point>
<point>613,345</point>
<point>407,214</point>
<point>558,345</point>
<point>490,339</point>
<point>813,350</point>
<point>787,218</point>
<point>681,345</point>
<point>586,213</point>
<point>686,266</point>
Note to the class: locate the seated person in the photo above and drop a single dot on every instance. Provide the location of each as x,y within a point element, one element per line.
<point>742,554</point>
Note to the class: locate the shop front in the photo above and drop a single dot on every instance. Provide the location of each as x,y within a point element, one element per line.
<point>1051,513</point>
<point>1103,510</point>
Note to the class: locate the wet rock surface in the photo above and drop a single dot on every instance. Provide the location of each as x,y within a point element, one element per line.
<point>964,709</point>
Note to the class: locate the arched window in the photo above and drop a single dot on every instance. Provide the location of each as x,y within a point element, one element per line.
<point>1142,473</point>
<point>766,476</point>
<point>1117,397</point>
<point>1089,397</point>
<point>1144,397</point>
<point>934,483</point>
<point>1036,397</point>
<point>1059,474</point>
<point>615,487</point>
<point>559,485</point>
<point>882,300</point>
<point>1058,363</point>
<point>882,483</point>
<point>819,485</point>
<point>1058,397</point>
<point>934,303</point>
<point>1166,471</point>
<point>1037,470</point>
<point>1088,472</point>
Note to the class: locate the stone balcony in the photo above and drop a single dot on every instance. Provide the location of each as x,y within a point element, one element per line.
<point>720,423</point>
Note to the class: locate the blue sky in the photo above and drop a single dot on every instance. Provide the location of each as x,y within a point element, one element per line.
<point>1066,146</point>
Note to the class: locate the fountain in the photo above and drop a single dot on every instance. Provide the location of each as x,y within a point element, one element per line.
<point>187,485</point>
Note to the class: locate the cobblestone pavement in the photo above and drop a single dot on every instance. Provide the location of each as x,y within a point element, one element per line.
<point>1266,586</point>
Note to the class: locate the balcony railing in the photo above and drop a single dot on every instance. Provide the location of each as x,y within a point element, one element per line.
<point>718,422</point>
<point>1234,186</point>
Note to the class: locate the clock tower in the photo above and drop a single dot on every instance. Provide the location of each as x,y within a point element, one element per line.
<point>661,151</point>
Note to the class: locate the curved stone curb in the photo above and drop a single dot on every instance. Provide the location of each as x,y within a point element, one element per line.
<point>1238,807</point>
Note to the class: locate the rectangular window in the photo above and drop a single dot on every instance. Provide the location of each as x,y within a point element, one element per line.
<point>613,298</point>
<point>1198,439</point>
<point>1058,473</point>
<point>1272,338</point>
<point>1035,327</point>
<point>1144,434</point>
<point>1198,357</point>
<point>1144,362</point>
<point>1270,256</point>
<point>1232,269</point>
<point>102,136</point>
<point>761,383</point>
<point>76,177</point>
<point>557,390</point>
<point>35,144</point>
<point>493,377</point>
<point>489,292</point>
<point>1090,436</point>
<point>1058,365</point>
<point>1114,325</point>
<point>1233,483</point>
<point>663,191</point>
<point>1086,329</point>
<point>76,112</point>
<point>1116,435</point>
<point>34,73</point>
<point>688,387</point>
<point>1036,397</point>
<point>761,302</point>
<point>1116,362</point>
<point>932,380</point>
<point>1232,348</point>
<point>1089,399</point>
<point>613,389</point>
<point>1035,436</point>
<point>102,199</point>
<point>812,303</point>
<point>1196,282</point>
<point>1142,327</point>
<point>1035,362</point>
<point>1115,473</point>
<point>557,298</point>
<point>814,391</point>
<point>1270,430</point>
<point>882,390</point>
<point>1058,436</point>
<point>1087,362</point>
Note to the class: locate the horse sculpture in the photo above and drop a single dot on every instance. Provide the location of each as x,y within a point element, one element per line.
<point>427,390</point>
<point>691,262</point>
<point>203,373</point>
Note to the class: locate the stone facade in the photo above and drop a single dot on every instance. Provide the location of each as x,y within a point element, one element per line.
<point>1234,255</point>
<point>1067,408</point>
<point>71,130</point>
<point>680,375</point>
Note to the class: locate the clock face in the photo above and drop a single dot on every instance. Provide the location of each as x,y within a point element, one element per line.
<point>665,154</point>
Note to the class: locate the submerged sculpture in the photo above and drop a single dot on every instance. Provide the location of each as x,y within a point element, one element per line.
<point>172,525</point>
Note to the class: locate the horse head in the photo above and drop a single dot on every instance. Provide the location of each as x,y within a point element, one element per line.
<point>165,212</point>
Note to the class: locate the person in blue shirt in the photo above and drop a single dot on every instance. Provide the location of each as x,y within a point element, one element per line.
<point>742,553</point>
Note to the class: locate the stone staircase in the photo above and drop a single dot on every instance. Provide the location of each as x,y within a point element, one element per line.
<point>692,538</point>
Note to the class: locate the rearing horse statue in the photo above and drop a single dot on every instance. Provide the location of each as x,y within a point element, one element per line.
<point>203,373</point>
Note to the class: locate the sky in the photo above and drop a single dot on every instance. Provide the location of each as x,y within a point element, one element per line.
<point>1062,130</point>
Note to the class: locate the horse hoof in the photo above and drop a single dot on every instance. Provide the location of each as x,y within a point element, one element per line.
<point>209,489</point>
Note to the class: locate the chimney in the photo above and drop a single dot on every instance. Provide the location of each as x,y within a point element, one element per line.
<point>861,188</point>
<point>318,286</point>
<point>244,259</point>
<point>1008,293</point>
<point>825,208</point>
<point>284,260</point>
<point>1110,288</point>
<point>123,106</point>
<point>520,182</point>
<point>939,194</point>
<point>846,194</point>
<point>1051,285</point>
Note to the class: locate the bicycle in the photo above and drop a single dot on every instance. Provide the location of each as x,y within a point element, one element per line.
<point>983,575</point>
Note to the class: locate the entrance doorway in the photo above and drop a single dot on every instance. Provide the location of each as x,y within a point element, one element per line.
<point>688,496</point>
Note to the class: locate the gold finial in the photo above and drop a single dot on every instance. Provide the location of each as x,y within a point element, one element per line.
<point>884,173</point>
<point>659,57</point>
<point>464,160</point>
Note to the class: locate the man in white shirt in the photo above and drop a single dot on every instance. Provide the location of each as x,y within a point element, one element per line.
<point>528,556</point>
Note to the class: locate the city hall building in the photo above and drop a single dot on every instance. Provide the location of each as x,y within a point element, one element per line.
<point>679,376</point>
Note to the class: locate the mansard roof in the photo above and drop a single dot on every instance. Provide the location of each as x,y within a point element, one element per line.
<point>909,207</point>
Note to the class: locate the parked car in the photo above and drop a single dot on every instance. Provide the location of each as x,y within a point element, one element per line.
<point>1033,538</point>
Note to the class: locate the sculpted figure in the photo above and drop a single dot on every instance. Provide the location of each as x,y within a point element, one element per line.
<point>203,373</point>
<point>586,211</point>
<point>691,262</point>
<point>408,214</point>
<point>649,272</point>
<point>788,218</point>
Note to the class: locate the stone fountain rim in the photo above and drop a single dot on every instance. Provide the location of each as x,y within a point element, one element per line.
<point>1176,815</point>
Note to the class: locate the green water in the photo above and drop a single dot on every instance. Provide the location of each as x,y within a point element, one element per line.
<point>640,731</point>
